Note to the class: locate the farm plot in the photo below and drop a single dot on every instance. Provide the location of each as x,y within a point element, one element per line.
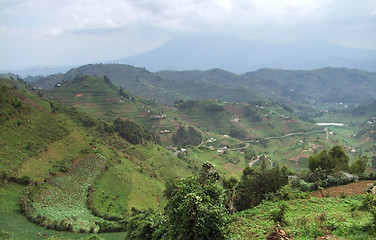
<point>61,202</point>
<point>351,189</point>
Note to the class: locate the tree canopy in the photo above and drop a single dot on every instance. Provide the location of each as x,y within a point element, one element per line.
<point>196,207</point>
<point>333,161</point>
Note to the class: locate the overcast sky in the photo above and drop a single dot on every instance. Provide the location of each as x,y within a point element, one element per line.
<point>66,32</point>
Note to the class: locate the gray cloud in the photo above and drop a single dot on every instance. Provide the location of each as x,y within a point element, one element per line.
<point>143,24</point>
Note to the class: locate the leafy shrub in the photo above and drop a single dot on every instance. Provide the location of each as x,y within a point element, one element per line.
<point>278,215</point>
<point>286,193</point>
<point>340,178</point>
<point>131,131</point>
<point>185,137</point>
<point>196,208</point>
<point>4,235</point>
<point>146,225</point>
<point>255,184</point>
<point>214,108</point>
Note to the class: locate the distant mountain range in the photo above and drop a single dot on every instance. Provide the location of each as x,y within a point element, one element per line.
<point>325,85</point>
<point>203,52</point>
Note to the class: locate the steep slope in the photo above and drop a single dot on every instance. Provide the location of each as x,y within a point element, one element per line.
<point>80,171</point>
<point>99,97</point>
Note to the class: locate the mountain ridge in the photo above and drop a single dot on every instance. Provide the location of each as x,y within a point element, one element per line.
<point>203,52</point>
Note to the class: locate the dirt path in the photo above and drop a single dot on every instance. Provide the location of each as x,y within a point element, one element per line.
<point>257,159</point>
<point>299,133</point>
<point>239,148</point>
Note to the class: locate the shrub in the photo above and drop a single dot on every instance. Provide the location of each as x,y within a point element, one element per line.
<point>146,225</point>
<point>278,215</point>
<point>286,193</point>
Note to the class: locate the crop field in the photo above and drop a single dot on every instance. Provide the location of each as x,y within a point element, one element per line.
<point>351,189</point>
<point>62,200</point>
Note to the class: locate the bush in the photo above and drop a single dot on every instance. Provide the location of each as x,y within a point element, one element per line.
<point>286,193</point>
<point>185,137</point>
<point>146,225</point>
<point>278,215</point>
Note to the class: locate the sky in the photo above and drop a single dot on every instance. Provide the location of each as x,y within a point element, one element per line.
<point>74,32</point>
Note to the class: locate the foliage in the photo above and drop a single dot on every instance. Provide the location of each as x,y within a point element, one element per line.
<point>185,105</point>
<point>214,108</point>
<point>10,105</point>
<point>185,137</point>
<point>4,234</point>
<point>230,184</point>
<point>196,208</point>
<point>333,161</point>
<point>310,218</point>
<point>286,193</point>
<point>252,113</point>
<point>278,215</point>
<point>360,165</point>
<point>255,184</point>
<point>131,131</point>
<point>236,133</point>
<point>146,225</point>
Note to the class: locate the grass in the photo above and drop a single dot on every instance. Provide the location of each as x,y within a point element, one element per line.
<point>56,156</point>
<point>307,219</point>
<point>135,178</point>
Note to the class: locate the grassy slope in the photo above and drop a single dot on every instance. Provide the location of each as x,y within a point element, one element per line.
<point>95,96</point>
<point>307,219</point>
<point>100,99</point>
<point>60,139</point>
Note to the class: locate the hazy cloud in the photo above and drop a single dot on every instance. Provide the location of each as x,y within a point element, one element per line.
<point>144,24</point>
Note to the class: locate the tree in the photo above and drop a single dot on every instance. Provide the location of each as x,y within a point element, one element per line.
<point>185,137</point>
<point>255,184</point>
<point>146,225</point>
<point>196,208</point>
<point>360,165</point>
<point>340,158</point>
<point>230,185</point>
<point>333,161</point>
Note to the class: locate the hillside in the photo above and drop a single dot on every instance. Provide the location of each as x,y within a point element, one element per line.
<point>326,85</point>
<point>75,172</point>
<point>367,109</point>
<point>65,153</point>
<point>315,87</point>
<point>265,127</point>
<point>312,87</point>
<point>143,83</point>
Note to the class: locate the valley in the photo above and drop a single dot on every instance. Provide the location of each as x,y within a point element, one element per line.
<point>86,151</point>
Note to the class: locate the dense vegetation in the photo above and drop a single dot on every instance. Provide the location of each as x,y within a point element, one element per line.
<point>185,137</point>
<point>85,175</point>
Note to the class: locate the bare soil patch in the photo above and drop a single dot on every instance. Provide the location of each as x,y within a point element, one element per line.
<point>302,154</point>
<point>351,189</point>
<point>232,167</point>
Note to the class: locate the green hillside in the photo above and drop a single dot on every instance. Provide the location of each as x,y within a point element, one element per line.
<point>143,83</point>
<point>86,157</point>
<point>99,97</point>
<point>81,174</point>
<point>325,85</point>
<point>319,86</point>
<point>264,127</point>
